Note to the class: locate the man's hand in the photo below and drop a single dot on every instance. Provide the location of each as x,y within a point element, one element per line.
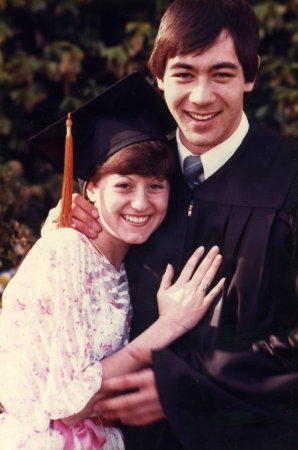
<point>84,217</point>
<point>139,407</point>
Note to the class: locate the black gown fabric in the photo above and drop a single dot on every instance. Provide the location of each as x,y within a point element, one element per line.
<point>232,381</point>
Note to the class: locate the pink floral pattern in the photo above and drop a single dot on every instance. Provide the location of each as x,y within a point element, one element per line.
<point>65,309</point>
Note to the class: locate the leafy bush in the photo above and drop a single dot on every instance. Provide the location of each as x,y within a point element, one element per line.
<point>55,55</point>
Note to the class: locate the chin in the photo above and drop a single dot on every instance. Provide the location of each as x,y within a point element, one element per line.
<point>137,240</point>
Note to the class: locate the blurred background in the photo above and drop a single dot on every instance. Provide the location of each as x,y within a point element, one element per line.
<point>55,55</point>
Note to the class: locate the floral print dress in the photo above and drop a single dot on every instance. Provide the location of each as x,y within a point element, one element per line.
<point>65,309</point>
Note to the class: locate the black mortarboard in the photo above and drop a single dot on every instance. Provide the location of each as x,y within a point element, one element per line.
<point>129,111</point>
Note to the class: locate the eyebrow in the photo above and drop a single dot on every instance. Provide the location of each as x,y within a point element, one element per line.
<point>225,65</point>
<point>222,65</point>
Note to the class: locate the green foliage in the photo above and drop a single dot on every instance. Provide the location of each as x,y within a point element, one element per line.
<point>55,55</point>
<point>15,238</point>
<point>275,99</point>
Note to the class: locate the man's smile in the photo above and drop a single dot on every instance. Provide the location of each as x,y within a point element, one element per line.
<point>202,116</point>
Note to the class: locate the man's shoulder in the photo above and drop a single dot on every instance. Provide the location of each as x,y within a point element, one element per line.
<point>268,137</point>
<point>265,148</point>
<point>259,174</point>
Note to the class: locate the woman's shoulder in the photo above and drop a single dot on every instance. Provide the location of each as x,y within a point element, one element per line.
<point>62,237</point>
<point>63,241</point>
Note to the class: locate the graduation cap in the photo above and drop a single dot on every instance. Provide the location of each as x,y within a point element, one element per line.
<point>128,112</point>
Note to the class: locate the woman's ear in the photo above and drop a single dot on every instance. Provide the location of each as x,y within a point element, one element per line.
<point>160,83</point>
<point>90,192</point>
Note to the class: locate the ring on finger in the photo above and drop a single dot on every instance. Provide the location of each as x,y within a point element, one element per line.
<point>205,287</point>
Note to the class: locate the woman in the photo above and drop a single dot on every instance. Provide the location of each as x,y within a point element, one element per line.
<point>66,313</point>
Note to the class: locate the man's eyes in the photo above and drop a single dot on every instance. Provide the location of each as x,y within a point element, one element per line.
<point>223,75</point>
<point>182,75</point>
<point>185,76</point>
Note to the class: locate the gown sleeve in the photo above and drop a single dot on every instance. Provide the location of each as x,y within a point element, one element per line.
<point>235,399</point>
<point>46,332</point>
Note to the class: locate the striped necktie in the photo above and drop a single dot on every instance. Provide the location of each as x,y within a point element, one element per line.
<point>193,170</point>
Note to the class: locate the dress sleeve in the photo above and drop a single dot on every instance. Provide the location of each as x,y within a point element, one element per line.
<point>236,399</point>
<point>46,369</point>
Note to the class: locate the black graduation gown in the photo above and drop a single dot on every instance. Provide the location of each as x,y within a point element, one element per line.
<point>231,382</point>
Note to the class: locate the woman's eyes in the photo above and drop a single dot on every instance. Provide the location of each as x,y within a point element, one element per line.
<point>156,186</point>
<point>153,186</point>
<point>123,185</point>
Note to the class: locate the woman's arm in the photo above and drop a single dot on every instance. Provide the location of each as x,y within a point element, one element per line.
<point>46,369</point>
<point>181,306</point>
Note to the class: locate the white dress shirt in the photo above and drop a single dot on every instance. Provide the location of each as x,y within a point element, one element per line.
<point>217,156</point>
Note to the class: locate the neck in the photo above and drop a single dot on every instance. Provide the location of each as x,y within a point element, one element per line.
<point>115,252</point>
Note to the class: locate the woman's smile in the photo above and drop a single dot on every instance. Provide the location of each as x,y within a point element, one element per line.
<point>138,220</point>
<point>130,208</point>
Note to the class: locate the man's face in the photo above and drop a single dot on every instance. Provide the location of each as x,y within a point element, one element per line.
<point>205,94</point>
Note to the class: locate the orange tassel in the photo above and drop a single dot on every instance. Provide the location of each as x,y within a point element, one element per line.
<point>67,185</point>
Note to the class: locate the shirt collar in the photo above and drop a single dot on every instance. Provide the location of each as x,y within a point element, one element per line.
<point>217,156</point>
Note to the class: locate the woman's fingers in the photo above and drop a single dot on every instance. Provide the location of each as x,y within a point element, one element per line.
<point>214,292</point>
<point>189,267</point>
<point>167,277</point>
<point>206,271</point>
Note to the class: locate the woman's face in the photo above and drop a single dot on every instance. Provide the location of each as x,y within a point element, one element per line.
<point>130,207</point>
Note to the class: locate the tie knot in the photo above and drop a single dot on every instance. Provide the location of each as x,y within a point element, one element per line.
<point>193,170</point>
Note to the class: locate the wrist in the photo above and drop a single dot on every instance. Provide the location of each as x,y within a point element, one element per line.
<point>142,356</point>
<point>172,325</point>
<point>174,322</point>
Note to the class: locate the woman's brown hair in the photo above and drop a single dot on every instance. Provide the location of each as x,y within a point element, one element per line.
<point>147,158</point>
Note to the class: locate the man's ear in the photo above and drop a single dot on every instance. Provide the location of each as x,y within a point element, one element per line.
<point>160,83</point>
<point>249,85</point>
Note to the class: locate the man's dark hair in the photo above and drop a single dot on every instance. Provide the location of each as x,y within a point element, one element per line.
<point>194,25</point>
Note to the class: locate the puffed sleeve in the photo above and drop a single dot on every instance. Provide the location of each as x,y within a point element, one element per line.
<point>45,339</point>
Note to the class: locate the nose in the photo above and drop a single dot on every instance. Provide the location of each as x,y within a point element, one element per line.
<point>202,93</point>
<point>140,201</point>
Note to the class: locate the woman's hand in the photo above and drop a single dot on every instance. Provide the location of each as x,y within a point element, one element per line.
<point>186,301</point>
<point>83,217</point>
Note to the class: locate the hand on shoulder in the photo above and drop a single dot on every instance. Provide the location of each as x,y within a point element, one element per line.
<point>84,217</point>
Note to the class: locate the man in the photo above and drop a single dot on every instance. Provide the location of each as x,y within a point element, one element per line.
<point>231,383</point>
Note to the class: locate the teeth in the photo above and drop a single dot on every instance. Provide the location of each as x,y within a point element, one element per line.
<point>135,219</point>
<point>200,117</point>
